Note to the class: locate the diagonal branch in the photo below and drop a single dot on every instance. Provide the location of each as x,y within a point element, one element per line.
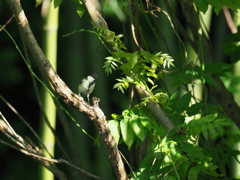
<point>31,150</point>
<point>158,112</point>
<point>223,96</point>
<point>155,108</point>
<point>73,100</point>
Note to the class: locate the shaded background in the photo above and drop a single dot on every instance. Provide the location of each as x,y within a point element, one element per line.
<point>78,55</point>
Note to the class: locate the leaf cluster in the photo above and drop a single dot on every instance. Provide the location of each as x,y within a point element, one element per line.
<point>232,46</point>
<point>176,153</point>
<point>140,68</point>
<point>202,5</point>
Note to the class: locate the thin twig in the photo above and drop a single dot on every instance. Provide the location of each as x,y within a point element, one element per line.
<point>29,150</point>
<point>70,98</point>
<point>229,20</point>
<point>8,21</point>
<point>25,122</point>
<point>78,169</point>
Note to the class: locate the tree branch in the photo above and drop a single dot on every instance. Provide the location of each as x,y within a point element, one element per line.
<point>70,98</point>
<point>31,150</point>
<point>28,148</point>
<point>152,105</point>
<point>223,96</point>
<point>156,109</point>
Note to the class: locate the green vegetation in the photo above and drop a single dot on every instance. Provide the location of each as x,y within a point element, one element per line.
<point>169,90</point>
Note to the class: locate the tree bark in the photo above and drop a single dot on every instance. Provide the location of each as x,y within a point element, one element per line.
<point>92,112</point>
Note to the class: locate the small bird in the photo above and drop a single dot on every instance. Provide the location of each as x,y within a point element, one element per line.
<point>87,85</point>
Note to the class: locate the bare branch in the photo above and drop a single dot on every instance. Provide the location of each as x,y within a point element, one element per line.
<point>156,109</point>
<point>95,15</point>
<point>28,149</point>
<point>70,98</point>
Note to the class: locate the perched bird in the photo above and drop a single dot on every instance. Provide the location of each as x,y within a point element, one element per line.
<point>87,85</point>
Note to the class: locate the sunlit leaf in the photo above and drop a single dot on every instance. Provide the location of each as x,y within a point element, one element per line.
<point>137,127</point>
<point>130,64</point>
<point>80,10</point>
<point>113,125</point>
<point>57,3</point>
<point>38,2</point>
<point>146,122</point>
<point>127,133</point>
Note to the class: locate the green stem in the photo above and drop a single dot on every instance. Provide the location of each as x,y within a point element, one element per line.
<point>50,48</point>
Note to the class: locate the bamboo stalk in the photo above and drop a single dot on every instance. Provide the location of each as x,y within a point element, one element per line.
<point>50,16</point>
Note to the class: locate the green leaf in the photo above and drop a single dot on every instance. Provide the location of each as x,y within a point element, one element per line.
<point>146,161</point>
<point>127,133</point>
<point>121,85</point>
<point>57,3</point>
<point>80,10</point>
<point>216,68</point>
<point>146,122</point>
<point>209,118</point>
<point>222,122</point>
<point>202,5</point>
<point>38,2</point>
<point>184,169</point>
<point>232,4</point>
<point>145,112</point>
<point>210,80</point>
<point>116,116</point>
<point>211,130</point>
<point>232,47</point>
<point>194,109</point>
<point>113,125</point>
<point>132,61</point>
<point>178,118</point>
<point>197,130</point>
<point>193,151</point>
<point>138,128</point>
<point>193,173</point>
<point>183,103</point>
<point>204,131</point>
<point>121,54</point>
<point>152,58</point>
<point>161,131</point>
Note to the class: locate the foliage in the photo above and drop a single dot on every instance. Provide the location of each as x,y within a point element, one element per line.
<point>203,5</point>
<point>202,141</point>
<point>232,46</point>
<point>175,154</point>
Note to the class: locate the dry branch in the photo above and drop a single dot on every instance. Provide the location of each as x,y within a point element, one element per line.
<point>70,98</point>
